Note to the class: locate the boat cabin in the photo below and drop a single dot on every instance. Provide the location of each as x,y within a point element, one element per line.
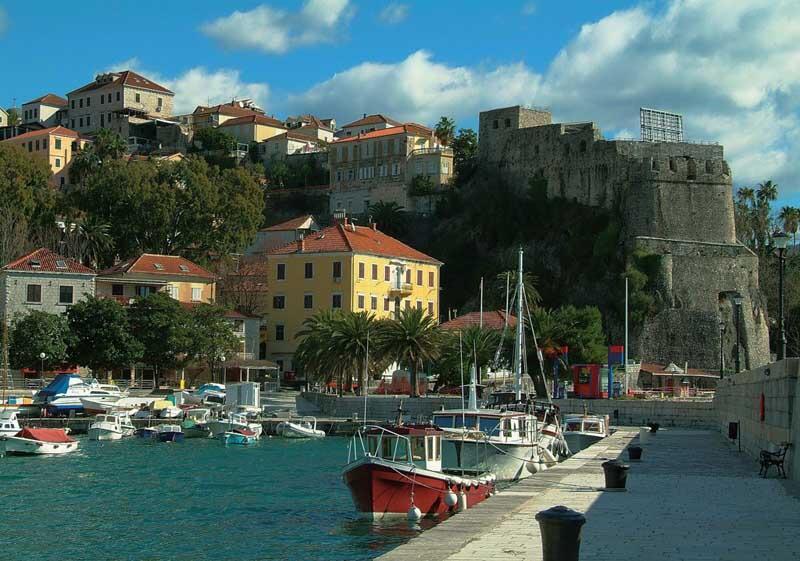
<point>420,445</point>
<point>586,424</point>
<point>8,422</point>
<point>504,426</point>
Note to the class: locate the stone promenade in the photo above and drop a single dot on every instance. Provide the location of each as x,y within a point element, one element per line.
<point>692,497</point>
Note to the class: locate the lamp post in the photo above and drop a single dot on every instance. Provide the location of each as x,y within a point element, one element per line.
<point>222,366</point>
<point>42,356</point>
<point>781,242</point>
<point>737,311</point>
<point>721,347</point>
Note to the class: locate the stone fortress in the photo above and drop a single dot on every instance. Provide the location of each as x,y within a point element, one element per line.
<point>675,201</point>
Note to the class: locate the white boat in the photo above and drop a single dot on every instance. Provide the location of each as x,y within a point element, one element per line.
<point>242,437</point>
<point>581,431</point>
<point>34,442</point>
<point>65,392</point>
<point>169,433</point>
<point>207,393</point>
<point>111,426</point>
<point>233,421</point>
<point>171,412</point>
<point>195,425</point>
<point>92,405</point>
<point>305,427</point>
<point>9,425</point>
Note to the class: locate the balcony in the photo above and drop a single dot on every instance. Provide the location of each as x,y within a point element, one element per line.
<point>443,150</point>
<point>401,289</point>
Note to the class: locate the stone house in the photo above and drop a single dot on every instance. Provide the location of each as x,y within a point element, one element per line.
<point>48,110</point>
<point>58,145</point>
<point>3,117</point>
<point>283,233</point>
<point>215,115</point>
<point>288,143</point>
<point>368,123</point>
<point>43,280</point>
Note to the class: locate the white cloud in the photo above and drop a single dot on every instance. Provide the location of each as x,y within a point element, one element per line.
<point>3,21</point>
<point>200,86</point>
<point>528,8</point>
<point>276,31</point>
<point>394,13</point>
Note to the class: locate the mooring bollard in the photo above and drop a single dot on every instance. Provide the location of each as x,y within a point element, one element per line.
<point>644,435</point>
<point>653,427</point>
<point>634,453</point>
<point>561,533</point>
<point>616,474</point>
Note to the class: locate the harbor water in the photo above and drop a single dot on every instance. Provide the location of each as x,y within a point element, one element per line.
<point>197,500</point>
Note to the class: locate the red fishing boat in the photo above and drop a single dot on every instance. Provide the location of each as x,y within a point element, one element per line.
<point>397,470</point>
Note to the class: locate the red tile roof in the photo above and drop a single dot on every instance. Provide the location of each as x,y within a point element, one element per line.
<point>256,119</point>
<point>154,264</point>
<point>228,109</point>
<point>408,128</point>
<point>371,120</point>
<point>127,78</point>
<point>494,319</point>
<point>353,239</point>
<point>289,225</point>
<point>59,130</point>
<point>48,262</point>
<point>49,99</point>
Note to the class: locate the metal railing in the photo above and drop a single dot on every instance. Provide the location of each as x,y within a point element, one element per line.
<point>438,150</point>
<point>358,439</point>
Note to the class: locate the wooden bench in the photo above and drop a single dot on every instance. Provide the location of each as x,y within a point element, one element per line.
<point>768,459</point>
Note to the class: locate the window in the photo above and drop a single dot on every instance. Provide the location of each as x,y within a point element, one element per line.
<point>385,304</point>
<point>430,308</point>
<point>172,290</point>
<point>30,146</point>
<point>34,293</point>
<point>197,294</point>
<point>160,102</point>
<point>395,169</point>
<point>72,104</point>
<point>309,270</point>
<point>80,122</point>
<point>143,291</point>
<point>37,145</point>
<point>419,304</point>
<point>102,119</point>
<point>117,96</point>
<point>308,301</point>
<point>431,278</point>
<point>336,301</point>
<point>337,269</point>
<point>117,290</point>
<point>387,272</point>
<point>65,295</point>
<point>72,123</point>
<point>138,98</point>
<point>58,144</point>
<point>408,276</point>
<point>279,333</point>
<point>279,302</point>
<point>80,103</point>
<point>508,123</point>
<point>419,277</point>
<point>58,162</point>
<point>495,124</point>
<point>88,121</point>
<point>374,272</point>
<point>44,144</point>
<point>102,99</point>
<point>361,270</point>
<point>280,274</point>
<point>361,301</point>
<point>373,302</point>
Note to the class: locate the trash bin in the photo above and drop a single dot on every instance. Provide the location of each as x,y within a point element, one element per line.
<point>644,435</point>
<point>634,453</point>
<point>561,533</point>
<point>616,474</point>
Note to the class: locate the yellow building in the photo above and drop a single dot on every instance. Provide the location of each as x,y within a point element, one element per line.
<point>185,281</point>
<point>348,267</point>
<point>57,144</point>
<point>253,128</point>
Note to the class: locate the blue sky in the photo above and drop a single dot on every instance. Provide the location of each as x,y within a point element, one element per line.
<point>729,67</point>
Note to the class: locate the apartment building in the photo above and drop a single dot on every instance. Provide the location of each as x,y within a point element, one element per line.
<point>58,145</point>
<point>253,128</point>
<point>367,124</point>
<point>215,115</point>
<point>48,110</point>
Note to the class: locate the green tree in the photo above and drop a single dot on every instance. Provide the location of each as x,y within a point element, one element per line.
<point>101,335</point>
<point>390,217</point>
<point>210,139</point>
<point>354,334</point>
<point>35,333</point>
<point>507,281</point>
<point>474,345</point>
<point>315,356</point>
<point>212,336</point>
<point>421,185</point>
<point>411,339</point>
<point>161,326</point>
<point>445,130</point>
<point>106,146</point>
<point>790,218</point>
<point>13,116</point>
<point>465,155</point>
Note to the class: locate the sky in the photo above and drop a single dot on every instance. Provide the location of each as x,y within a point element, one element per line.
<point>730,67</point>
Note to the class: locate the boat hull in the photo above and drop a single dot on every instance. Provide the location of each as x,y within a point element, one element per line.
<point>16,446</point>
<point>146,432</point>
<point>218,427</point>
<point>196,431</point>
<point>380,488</point>
<point>509,462</point>
<point>578,441</point>
<point>237,439</point>
<point>292,430</point>
<point>104,434</point>
<point>170,436</point>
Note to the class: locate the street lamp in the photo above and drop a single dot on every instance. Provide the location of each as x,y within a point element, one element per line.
<point>781,242</point>
<point>721,347</point>
<point>737,311</point>
<point>222,365</point>
<point>42,356</point>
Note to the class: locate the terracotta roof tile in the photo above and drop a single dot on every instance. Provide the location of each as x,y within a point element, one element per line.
<point>154,264</point>
<point>494,319</point>
<point>225,109</point>
<point>43,260</point>
<point>371,120</point>
<point>256,118</point>
<point>353,239</point>
<point>127,78</point>
<point>409,128</point>
<point>49,99</point>
<point>59,130</point>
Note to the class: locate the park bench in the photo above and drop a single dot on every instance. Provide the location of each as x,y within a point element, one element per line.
<point>777,458</point>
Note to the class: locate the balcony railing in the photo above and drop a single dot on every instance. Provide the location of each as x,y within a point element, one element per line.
<point>403,288</point>
<point>444,150</point>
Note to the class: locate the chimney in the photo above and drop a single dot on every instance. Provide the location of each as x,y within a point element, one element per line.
<point>374,226</point>
<point>365,116</point>
<point>345,221</point>
<point>301,244</point>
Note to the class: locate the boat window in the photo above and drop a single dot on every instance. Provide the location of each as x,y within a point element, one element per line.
<point>507,428</point>
<point>437,441</point>
<point>592,426</point>
<point>417,449</point>
<point>394,448</point>
<point>430,448</point>
<point>574,426</point>
<point>490,426</point>
<point>467,421</point>
<point>445,421</point>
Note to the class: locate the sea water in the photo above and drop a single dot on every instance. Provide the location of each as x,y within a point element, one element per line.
<point>197,500</point>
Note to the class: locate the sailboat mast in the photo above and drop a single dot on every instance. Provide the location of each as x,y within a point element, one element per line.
<point>520,328</point>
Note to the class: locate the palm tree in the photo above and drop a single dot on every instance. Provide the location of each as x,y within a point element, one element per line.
<point>746,195</point>
<point>354,335</point>
<point>445,130</point>
<point>411,340</point>
<point>767,192</point>
<point>509,279</point>
<point>315,356</point>
<point>390,217</point>
<point>96,239</point>
<point>790,217</point>
<point>475,345</point>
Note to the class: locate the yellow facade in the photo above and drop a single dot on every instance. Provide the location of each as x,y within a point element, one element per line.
<point>58,145</point>
<point>251,132</point>
<point>190,292</point>
<point>361,286</point>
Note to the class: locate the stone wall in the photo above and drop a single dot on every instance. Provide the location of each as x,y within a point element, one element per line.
<point>14,288</point>
<point>379,408</point>
<point>738,399</point>
<point>639,412</point>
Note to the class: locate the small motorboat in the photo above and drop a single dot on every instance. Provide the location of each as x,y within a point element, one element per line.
<point>34,442</point>
<point>195,424</point>
<point>65,392</point>
<point>242,437</point>
<point>111,426</point>
<point>306,427</point>
<point>581,431</point>
<point>207,393</point>
<point>146,432</point>
<point>169,433</point>
<point>170,412</point>
<point>233,421</point>
<point>9,425</point>
<point>93,406</point>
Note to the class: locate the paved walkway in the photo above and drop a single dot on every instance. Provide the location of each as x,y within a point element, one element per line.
<point>693,497</point>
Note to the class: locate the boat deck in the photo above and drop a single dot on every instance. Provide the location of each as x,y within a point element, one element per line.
<point>692,497</point>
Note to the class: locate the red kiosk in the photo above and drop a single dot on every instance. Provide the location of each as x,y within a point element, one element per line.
<point>586,381</point>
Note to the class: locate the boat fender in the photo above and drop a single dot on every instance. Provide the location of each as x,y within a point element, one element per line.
<point>462,501</point>
<point>450,499</point>
<point>414,513</point>
<point>458,480</point>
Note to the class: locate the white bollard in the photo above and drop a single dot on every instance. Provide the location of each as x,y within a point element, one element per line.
<point>644,435</point>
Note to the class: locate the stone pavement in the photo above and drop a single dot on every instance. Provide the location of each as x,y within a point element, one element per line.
<point>692,497</point>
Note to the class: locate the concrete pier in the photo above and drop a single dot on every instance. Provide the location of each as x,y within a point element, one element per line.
<point>692,497</point>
